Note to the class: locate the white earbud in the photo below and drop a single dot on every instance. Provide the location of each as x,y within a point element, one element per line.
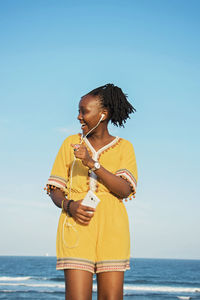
<point>102,116</point>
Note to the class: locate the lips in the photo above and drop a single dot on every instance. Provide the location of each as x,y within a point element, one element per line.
<point>83,125</point>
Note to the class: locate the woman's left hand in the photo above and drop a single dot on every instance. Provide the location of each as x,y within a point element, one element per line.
<point>81,152</point>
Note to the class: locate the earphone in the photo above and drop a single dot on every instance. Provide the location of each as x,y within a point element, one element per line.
<point>66,221</point>
<point>82,137</point>
<point>102,116</point>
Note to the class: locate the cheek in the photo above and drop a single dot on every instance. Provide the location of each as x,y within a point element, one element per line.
<point>91,118</point>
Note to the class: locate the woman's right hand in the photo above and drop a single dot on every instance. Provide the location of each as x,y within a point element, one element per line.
<point>80,212</point>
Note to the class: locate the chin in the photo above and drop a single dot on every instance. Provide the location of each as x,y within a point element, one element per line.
<point>84,131</point>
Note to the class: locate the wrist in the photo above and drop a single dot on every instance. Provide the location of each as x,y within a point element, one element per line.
<point>96,166</point>
<point>90,163</point>
<point>68,208</point>
<point>64,204</point>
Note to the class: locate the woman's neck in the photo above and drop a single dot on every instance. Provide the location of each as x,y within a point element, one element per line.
<point>100,136</point>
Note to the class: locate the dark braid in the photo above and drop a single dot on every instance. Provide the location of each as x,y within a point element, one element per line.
<point>115,101</point>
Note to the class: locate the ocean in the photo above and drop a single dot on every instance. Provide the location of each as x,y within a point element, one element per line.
<point>23,277</point>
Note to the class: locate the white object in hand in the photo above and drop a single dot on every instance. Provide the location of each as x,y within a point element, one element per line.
<point>90,200</point>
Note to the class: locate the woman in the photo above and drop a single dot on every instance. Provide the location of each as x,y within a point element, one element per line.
<point>95,240</point>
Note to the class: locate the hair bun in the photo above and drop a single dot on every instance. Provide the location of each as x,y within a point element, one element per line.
<point>113,99</point>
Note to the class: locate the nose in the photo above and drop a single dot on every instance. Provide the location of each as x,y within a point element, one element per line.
<point>79,117</point>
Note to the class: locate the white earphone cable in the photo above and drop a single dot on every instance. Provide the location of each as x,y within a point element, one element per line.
<point>66,221</point>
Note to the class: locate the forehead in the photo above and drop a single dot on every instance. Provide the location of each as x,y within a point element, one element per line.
<point>89,101</point>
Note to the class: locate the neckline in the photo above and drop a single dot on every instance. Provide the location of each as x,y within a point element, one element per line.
<point>102,148</point>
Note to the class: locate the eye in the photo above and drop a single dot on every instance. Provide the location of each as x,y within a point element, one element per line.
<point>81,110</point>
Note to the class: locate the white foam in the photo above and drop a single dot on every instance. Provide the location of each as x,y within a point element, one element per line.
<point>161,289</point>
<point>139,288</point>
<point>33,285</point>
<point>6,278</point>
<point>168,289</point>
<point>184,298</point>
<point>8,291</point>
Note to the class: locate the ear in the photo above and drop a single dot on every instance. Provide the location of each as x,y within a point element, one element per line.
<point>104,115</point>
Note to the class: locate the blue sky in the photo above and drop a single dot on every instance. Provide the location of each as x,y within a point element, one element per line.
<point>53,52</point>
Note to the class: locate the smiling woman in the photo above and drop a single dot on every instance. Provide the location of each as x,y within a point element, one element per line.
<point>93,240</point>
<point>90,113</point>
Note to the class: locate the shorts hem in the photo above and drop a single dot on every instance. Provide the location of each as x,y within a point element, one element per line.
<point>76,264</point>
<point>90,266</point>
<point>112,266</point>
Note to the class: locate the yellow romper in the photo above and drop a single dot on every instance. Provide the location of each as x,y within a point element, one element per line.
<point>104,244</point>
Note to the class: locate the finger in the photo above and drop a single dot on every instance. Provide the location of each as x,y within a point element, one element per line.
<point>84,218</point>
<point>82,222</point>
<point>81,146</point>
<point>88,208</point>
<point>75,146</point>
<point>85,214</point>
<point>83,149</point>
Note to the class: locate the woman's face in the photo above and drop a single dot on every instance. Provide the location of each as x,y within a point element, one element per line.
<point>89,112</point>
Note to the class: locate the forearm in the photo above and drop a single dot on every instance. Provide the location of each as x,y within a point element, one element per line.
<point>57,197</point>
<point>80,213</point>
<point>115,184</point>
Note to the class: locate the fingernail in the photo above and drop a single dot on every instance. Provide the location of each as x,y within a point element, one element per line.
<point>76,146</point>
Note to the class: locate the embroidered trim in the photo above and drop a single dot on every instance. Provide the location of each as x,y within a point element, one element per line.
<point>75,263</point>
<point>93,182</point>
<point>116,265</point>
<point>104,148</point>
<point>87,265</point>
<point>112,146</point>
<point>49,187</point>
<point>55,182</point>
<point>59,182</point>
<point>128,176</point>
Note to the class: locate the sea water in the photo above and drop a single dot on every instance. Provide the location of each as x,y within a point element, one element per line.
<point>36,278</point>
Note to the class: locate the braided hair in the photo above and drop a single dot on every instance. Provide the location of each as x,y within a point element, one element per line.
<point>112,98</point>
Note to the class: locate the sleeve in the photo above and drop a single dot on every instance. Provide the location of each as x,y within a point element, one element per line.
<point>60,171</point>
<point>128,167</point>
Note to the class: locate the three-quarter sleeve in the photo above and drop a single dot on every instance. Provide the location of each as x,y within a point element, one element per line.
<point>128,167</point>
<point>60,171</point>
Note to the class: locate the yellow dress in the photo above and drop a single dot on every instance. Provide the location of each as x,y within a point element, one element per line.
<point>104,244</point>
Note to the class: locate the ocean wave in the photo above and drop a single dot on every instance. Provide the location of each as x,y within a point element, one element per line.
<point>32,291</point>
<point>129,283</point>
<point>62,279</point>
<point>62,292</point>
<point>127,288</point>
<point>55,279</point>
<point>33,285</point>
<point>7,278</point>
<point>162,289</point>
<point>162,282</point>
